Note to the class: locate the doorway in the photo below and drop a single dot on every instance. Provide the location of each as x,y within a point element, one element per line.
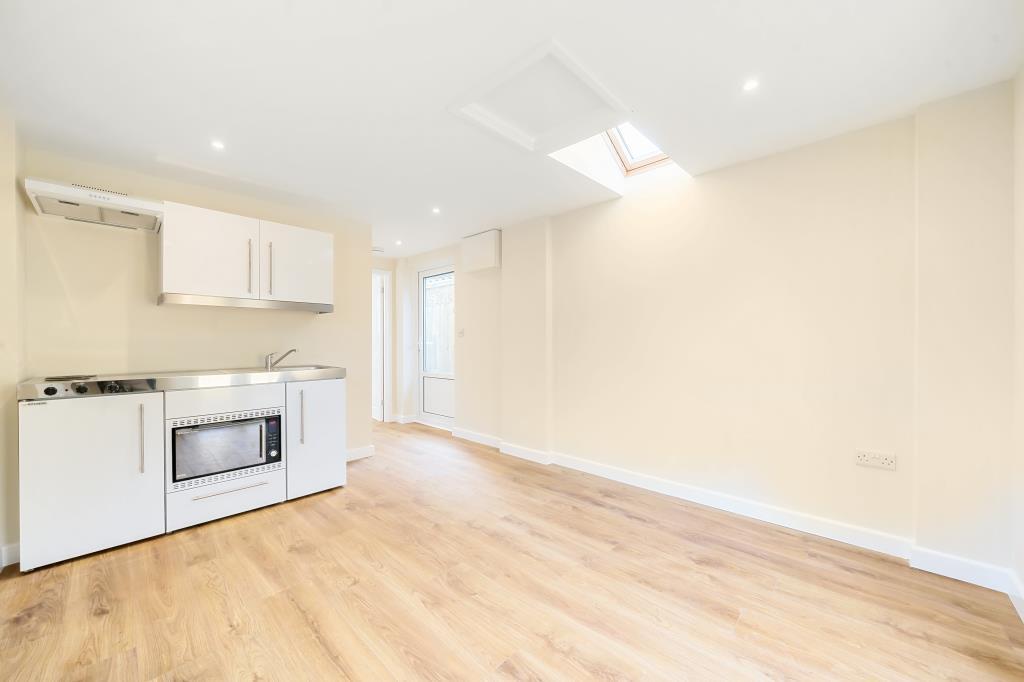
<point>380,355</point>
<point>437,350</point>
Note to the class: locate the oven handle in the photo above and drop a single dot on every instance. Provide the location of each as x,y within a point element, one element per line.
<point>263,441</point>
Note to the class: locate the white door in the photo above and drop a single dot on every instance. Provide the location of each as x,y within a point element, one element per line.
<point>316,456</point>
<point>91,474</point>
<point>209,253</point>
<point>437,350</point>
<point>296,264</point>
<point>377,344</point>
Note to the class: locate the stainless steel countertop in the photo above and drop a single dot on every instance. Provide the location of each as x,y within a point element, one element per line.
<point>83,386</point>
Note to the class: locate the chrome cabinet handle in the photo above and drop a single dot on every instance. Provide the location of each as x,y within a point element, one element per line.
<point>302,417</point>
<point>233,490</point>
<point>249,289</point>
<point>270,246</point>
<point>142,438</point>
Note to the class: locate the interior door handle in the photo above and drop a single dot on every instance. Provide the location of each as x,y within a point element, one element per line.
<point>302,417</point>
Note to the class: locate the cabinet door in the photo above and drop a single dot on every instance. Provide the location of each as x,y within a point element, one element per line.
<point>209,253</point>
<point>316,457</point>
<point>296,264</point>
<point>91,474</point>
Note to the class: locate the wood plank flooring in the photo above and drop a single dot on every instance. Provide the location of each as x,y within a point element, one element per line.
<point>445,560</point>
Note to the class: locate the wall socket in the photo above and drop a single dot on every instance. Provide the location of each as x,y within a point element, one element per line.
<point>878,460</point>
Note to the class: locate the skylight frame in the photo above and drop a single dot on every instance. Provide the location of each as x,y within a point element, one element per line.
<point>626,163</point>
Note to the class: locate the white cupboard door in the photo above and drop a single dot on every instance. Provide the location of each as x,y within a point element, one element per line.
<point>296,264</point>
<point>209,253</point>
<point>316,435</point>
<point>91,474</point>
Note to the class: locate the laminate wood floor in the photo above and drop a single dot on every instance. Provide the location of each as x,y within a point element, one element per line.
<point>445,560</point>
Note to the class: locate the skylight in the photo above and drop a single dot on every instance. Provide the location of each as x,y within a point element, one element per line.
<point>633,150</point>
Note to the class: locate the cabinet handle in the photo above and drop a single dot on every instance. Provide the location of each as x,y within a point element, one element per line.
<point>233,490</point>
<point>142,438</point>
<point>270,246</point>
<point>249,289</point>
<point>302,417</point>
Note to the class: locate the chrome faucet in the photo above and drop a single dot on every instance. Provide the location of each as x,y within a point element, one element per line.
<point>270,363</point>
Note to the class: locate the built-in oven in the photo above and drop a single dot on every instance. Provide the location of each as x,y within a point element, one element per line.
<point>210,448</point>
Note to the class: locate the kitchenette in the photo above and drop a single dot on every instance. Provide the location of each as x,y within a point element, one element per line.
<point>110,459</point>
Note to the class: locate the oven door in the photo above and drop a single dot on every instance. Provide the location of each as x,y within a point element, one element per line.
<point>215,448</point>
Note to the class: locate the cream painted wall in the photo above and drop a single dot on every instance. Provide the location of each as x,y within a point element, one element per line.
<point>89,295</point>
<point>525,365</point>
<point>749,330</point>
<point>1017,478</point>
<point>478,346</point>
<point>965,321</point>
<point>10,332</point>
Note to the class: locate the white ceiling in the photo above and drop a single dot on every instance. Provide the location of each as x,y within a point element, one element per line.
<point>351,102</point>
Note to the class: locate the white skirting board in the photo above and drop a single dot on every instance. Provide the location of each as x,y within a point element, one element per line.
<point>360,453</point>
<point>959,568</point>
<point>1017,596</point>
<point>439,424</point>
<point>538,456</point>
<point>9,554</point>
<point>780,516</point>
<point>967,570</point>
<point>475,437</point>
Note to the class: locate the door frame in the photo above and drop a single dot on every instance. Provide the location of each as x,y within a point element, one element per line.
<point>388,341</point>
<point>430,419</point>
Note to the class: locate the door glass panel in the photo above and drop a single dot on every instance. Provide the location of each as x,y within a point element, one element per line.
<point>438,297</point>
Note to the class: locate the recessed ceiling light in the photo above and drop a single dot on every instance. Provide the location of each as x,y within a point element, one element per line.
<point>217,144</point>
<point>436,210</point>
<point>750,85</point>
<point>398,242</point>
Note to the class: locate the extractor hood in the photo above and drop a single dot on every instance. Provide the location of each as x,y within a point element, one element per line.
<point>94,205</point>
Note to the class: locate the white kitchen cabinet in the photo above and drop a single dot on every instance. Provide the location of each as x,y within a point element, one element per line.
<point>316,456</point>
<point>296,264</point>
<point>209,253</point>
<point>91,474</point>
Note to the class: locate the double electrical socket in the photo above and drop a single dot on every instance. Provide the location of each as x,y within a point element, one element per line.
<point>878,460</point>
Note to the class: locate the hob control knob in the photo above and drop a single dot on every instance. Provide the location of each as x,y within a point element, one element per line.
<point>112,387</point>
<point>50,390</point>
<point>81,388</point>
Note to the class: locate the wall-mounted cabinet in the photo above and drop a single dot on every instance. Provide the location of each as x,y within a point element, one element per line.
<point>296,264</point>
<point>215,258</point>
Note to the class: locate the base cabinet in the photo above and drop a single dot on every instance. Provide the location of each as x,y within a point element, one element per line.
<point>316,436</point>
<point>94,475</point>
<point>91,475</point>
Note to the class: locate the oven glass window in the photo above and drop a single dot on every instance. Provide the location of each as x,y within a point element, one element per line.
<point>216,448</point>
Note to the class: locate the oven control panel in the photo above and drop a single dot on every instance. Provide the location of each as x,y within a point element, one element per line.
<point>273,449</point>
